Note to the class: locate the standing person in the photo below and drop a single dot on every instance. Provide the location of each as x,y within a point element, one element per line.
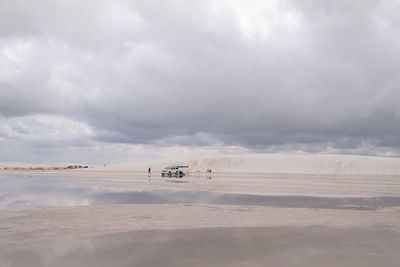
<point>149,173</point>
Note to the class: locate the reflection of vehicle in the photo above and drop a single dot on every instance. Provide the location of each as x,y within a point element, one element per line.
<point>172,171</point>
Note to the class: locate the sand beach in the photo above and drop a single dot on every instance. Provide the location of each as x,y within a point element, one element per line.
<point>251,210</point>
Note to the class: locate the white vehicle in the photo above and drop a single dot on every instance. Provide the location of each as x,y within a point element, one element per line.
<point>172,171</point>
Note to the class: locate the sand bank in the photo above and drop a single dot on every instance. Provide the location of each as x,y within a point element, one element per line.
<point>279,163</point>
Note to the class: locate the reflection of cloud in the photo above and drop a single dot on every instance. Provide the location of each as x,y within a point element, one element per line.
<point>22,193</point>
<point>27,201</point>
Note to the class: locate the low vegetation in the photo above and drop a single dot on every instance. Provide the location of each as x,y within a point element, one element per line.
<point>46,168</point>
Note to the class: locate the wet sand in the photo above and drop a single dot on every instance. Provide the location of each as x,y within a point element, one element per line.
<point>270,246</point>
<point>324,185</point>
<point>92,218</point>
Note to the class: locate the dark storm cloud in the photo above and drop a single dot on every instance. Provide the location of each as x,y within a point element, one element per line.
<point>255,74</point>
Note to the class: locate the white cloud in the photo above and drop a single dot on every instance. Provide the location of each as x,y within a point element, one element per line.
<point>44,129</point>
<point>257,75</point>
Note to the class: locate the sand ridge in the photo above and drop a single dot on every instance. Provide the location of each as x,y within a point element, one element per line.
<point>334,164</point>
<point>279,163</point>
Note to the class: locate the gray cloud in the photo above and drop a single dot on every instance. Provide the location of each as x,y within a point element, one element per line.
<point>252,74</point>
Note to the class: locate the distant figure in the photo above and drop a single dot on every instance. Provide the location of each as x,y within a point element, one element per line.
<point>149,174</point>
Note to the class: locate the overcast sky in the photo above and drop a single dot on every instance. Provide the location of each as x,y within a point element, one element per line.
<point>104,81</point>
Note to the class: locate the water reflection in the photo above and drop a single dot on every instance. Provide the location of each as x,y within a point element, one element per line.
<point>255,246</point>
<point>22,193</point>
<point>204,197</point>
<point>19,193</point>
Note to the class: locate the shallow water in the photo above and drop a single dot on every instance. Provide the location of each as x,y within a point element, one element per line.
<point>174,197</point>
<point>22,193</point>
<point>265,246</point>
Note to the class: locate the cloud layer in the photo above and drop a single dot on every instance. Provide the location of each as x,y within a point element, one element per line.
<point>260,75</point>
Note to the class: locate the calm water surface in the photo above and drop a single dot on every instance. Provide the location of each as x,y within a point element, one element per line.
<point>18,193</point>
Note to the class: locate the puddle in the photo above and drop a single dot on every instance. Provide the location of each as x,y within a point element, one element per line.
<point>203,197</point>
<point>22,193</point>
<point>177,181</point>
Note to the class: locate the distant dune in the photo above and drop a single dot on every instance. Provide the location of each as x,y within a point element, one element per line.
<point>281,163</point>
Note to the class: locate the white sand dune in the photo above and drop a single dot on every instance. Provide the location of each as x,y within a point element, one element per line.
<point>281,163</point>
